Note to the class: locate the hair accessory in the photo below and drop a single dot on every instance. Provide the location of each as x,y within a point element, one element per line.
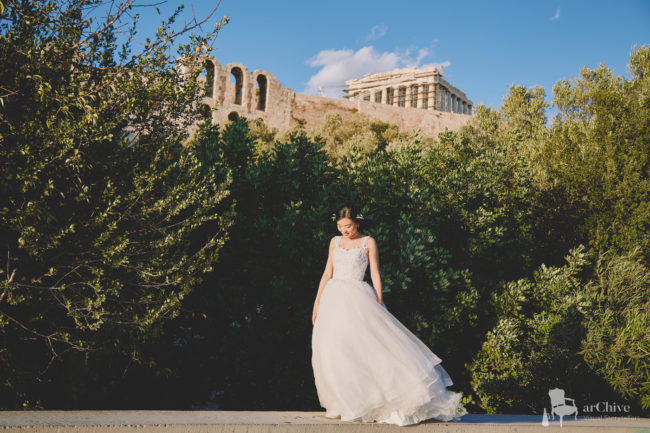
<point>358,217</point>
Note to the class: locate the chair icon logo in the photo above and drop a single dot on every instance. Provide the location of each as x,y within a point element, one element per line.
<point>559,406</point>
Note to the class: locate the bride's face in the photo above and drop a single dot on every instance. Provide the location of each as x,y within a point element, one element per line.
<point>347,227</point>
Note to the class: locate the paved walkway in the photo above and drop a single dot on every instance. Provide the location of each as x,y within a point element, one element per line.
<point>146,421</point>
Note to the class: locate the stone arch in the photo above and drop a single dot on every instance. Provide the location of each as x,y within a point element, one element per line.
<point>232,116</point>
<point>208,68</point>
<point>237,74</point>
<point>262,90</point>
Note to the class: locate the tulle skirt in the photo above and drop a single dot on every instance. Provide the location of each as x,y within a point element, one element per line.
<point>368,366</point>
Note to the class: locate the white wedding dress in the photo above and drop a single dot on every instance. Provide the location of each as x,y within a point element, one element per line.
<point>367,365</point>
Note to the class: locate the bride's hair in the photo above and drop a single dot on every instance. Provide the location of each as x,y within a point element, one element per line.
<point>347,210</point>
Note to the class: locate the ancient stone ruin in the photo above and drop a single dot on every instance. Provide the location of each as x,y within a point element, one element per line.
<point>235,92</point>
<point>430,105</point>
<point>410,87</point>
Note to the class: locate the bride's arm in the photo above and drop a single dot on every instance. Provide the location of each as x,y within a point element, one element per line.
<point>327,273</point>
<point>373,259</point>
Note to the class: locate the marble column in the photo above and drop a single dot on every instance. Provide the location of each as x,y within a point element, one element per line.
<point>435,94</point>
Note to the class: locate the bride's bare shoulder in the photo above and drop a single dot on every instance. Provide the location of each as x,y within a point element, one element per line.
<point>370,242</point>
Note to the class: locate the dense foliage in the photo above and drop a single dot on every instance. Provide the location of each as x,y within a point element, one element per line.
<point>148,269</point>
<point>583,330</point>
<point>107,220</point>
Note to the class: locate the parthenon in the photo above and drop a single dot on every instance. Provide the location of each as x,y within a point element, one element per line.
<point>410,87</point>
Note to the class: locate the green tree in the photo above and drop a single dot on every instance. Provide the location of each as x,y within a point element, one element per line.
<point>617,344</point>
<point>580,327</point>
<point>367,134</point>
<point>107,220</point>
<point>245,330</point>
<point>596,162</point>
<point>534,345</point>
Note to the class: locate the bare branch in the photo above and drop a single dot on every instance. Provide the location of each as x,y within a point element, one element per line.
<point>49,338</point>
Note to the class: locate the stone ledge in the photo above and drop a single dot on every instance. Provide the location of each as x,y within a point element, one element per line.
<point>145,421</point>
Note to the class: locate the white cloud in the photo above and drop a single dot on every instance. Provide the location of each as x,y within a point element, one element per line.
<point>338,66</point>
<point>422,53</point>
<point>556,16</point>
<point>376,32</point>
<point>440,65</point>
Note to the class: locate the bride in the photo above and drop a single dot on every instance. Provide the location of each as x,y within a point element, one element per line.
<point>367,365</point>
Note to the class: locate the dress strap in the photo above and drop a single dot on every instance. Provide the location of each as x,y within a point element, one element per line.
<point>338,241</point>
<point>363,242</point>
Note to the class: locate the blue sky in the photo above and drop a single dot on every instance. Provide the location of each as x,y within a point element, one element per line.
<point>484,46</point>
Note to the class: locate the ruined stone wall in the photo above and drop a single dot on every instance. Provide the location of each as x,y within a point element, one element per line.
<point>313,108</point>
<point>235,92</point>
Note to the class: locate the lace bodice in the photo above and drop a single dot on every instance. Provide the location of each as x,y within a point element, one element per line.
<point>350,264</point>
